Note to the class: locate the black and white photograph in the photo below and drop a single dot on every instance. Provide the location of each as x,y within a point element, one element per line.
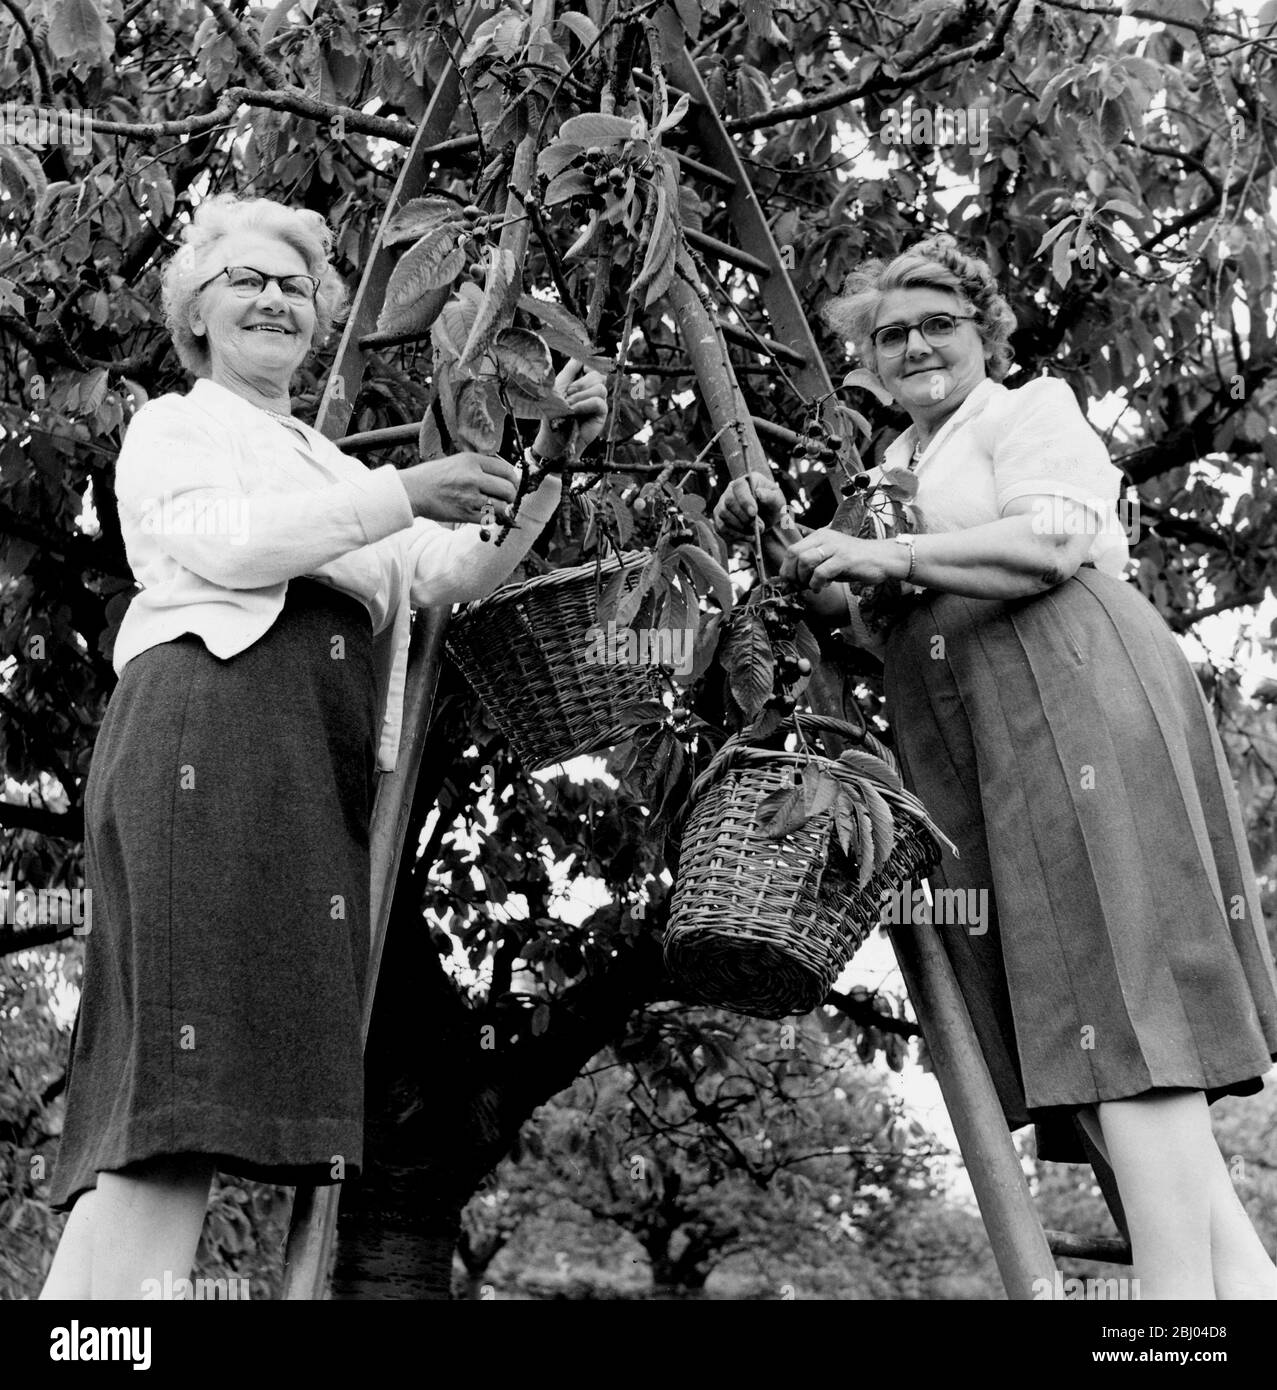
<point>638,663</point>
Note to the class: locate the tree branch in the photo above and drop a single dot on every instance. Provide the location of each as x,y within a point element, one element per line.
<point>294,101</point>
<point>910,77</point>
<point>862,1011</point>
<point>1181,622</point>
<point>33,48</point>
<point>64,825</point>
<point>26,938</point>
<point>244,46</point>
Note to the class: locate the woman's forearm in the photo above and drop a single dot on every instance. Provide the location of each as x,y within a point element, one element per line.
<point>1007,558</point>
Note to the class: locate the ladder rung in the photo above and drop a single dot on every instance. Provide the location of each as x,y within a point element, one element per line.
<point>381,439</point>
<point>732,254</point>
<point>672,369</point>
<point>761,344</point>
<point>1108,1248</point>
<point>380,340</point>
<point>705,171</point>
<point>775,431</point>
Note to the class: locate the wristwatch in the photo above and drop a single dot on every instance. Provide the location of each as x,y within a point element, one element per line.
<point>913,556</point>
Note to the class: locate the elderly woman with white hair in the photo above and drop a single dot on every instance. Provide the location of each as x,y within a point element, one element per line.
<point>261,680</point>
<point>1047,718</point>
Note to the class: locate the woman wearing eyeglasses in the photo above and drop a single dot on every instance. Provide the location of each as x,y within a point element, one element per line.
<point>227,808</point>
<point>1047,718</point>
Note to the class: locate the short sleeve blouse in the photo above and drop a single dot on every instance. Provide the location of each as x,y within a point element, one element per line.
<point>1000,445</point>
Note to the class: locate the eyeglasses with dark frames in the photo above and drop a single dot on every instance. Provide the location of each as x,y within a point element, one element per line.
<point>247,282</point>
<point>936,329</point>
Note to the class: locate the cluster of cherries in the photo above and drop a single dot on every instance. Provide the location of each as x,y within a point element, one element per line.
<point>816,445</point>
<point>605,176</point>
<point>781,612</point>
<point>477,225</point>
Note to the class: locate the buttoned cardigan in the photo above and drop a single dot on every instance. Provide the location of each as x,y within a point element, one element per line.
<point>221,504</point>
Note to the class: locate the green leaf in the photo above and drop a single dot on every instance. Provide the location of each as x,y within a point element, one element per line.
<point>420,285</point>
<point>884,825</point>
<point>845,822</point>
<point>749,661</point>
<point>869,766</point>
<point>570,183</point>
<point>78,33</point>
<point>595,128</point>
<point>1056,232</point>
<point>782,811</point>
<point>500,291</point>
<point>480,416</point>
<point>630,601</point>
<point>820,790</point>
<point>456,318</point>
<point>420,216</point>
<point>758,15</point>
<point>581,25</point>
<point>711,577</point>
<point>556,157</point>
<point>868,381</point>
<point>540,1020</point>
<point>1113,123</point>
<point>675,114</point>
<point>659,262</point>
<point>689,11</point>
<point>1061,266</point>
<point>1128,210</point>
<point>523,356</point>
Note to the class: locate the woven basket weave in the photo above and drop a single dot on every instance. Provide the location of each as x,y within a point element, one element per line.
<point>524,650</point>
<point>763,925</point>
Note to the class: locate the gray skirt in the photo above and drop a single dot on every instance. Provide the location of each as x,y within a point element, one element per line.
<point>1063,742</point>
<point>226,845</point>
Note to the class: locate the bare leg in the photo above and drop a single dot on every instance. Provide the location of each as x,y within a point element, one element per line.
<point>69,1274</point>
<point>148,1220</point>
<point>1163,1155</point>
<point>1241,1265</point>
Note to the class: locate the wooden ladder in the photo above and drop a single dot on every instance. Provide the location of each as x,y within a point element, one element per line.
<point>1022,1249</point>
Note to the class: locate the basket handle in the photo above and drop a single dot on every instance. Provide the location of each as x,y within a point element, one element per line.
<point>827,724</point>
<point>816,723</point>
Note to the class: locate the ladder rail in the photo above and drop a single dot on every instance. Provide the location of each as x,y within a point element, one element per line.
<point>313,1221</point>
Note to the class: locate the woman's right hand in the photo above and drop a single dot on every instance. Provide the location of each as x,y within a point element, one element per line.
<point>747,497</point>
<point>461,487</point>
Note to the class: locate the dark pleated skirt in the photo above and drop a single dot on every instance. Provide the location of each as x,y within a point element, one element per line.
<point>1063,743</point>
<point>226,845</point>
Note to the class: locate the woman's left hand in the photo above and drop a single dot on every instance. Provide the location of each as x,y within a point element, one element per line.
<point>827,556</point>
<point>587,395</point>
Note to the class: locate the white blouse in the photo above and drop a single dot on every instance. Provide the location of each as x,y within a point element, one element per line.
<point>1001,445</point>
<point>221,504</point>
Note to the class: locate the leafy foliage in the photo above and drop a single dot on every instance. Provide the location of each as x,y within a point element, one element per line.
<point>1122,195</point>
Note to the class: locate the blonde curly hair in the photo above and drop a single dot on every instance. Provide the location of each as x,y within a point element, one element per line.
<point>934,263</point>
<point>215,219</point>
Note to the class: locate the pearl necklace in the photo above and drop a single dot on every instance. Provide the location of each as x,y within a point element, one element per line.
<point>288,420</point>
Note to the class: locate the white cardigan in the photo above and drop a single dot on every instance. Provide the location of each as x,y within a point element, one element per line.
<point>221,504</point>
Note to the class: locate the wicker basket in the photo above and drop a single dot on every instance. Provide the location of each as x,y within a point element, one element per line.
<point>763,925</point>
<point>524,649</point>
